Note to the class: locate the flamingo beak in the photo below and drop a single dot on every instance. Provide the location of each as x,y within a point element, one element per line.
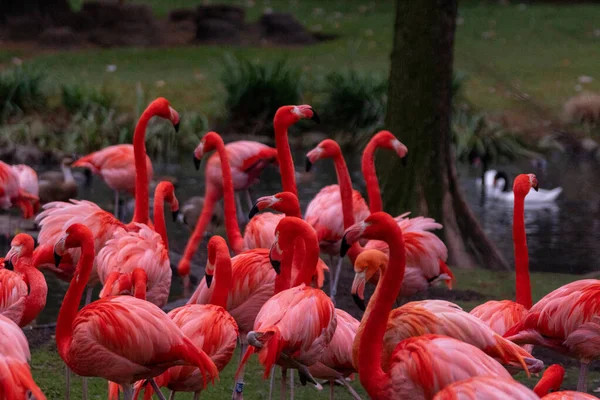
<point>253,211</point>
<point>176,126</point>
<point>359,302</point>
<point>8,264</point>
<point>535,187</point>
<point>209,279</point>
<point>57,259</point>
<point>197,162</point>
<point>404,161</point>
<point>175,215</point>
<point>276,264</point>
<point>315,117</point>
<point>308,165</point>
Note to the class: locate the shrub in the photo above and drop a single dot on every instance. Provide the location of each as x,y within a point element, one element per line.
<point>84,99</point>
<point>21,90</point>
<point>354,102</point>
<point>255,91</point>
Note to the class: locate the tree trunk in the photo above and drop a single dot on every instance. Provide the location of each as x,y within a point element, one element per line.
<point>37,8</point>
<point>419,107</point>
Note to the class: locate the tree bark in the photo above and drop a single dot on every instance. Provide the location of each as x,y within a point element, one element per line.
<point>419,107</point>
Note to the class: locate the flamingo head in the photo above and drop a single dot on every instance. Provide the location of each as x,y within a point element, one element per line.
<point>387,140</point>
<point>551,380</point>
<point>21,246</point>
<point>326,149</point>
<point>167,191</point>
<point>523,184</point>
<point>211,141</point>
<point>217,253</point>
<point>285,202</point>
<point>275,254</point>
<point>377,226</point>
<point>163,109</point>
<point>290,233</point>
<point>287,116</point>
<point>366,265</point>
<point>73,237</point>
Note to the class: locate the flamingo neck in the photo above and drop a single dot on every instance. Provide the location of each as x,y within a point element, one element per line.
<point>283,281</point>
<point>231,226</point>
<point>70,305</point>
<point>141,212</point>
<point>38,291</point>
<point>284,155</point>
<point>160,226</point>
<point>307,255</point>
<point>370,176</point>
<point>374,321</point>
<point>523,280</point>
<point>223,279</point>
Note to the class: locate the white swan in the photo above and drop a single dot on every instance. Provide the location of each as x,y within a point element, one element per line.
<point>497,187</point>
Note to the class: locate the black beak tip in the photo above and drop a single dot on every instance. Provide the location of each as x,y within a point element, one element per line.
<point>359,302</point>
<point>175,215</point>
<point>404,161</point>
<point>176,126</point>
<point>308,165</point>
<point>536,188</point>
<point>344,247</point>
<point>209,279</point>
<point>9,265</point>
<point>276,265</point>
<point>253,211</point>
<point>197,163</point>
<point>57,259</point>
<point>315,117</point>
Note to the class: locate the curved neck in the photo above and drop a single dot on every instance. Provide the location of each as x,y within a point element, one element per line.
<point>284,156</point>
<point>70,305</point>
<point>345,184</point>
<point>141,211</point>
<point>38,291</point>
<point>231,226</point>
<point>375,318</point>
<point>283,280</point>
<point>370,176</point>
<point>223,279</point>
<point>523,283</point>
<point>160,226</point>
<point>308,258</point>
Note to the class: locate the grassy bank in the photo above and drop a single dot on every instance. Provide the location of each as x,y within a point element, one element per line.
<point>539,51</point>
<point>48,369</point>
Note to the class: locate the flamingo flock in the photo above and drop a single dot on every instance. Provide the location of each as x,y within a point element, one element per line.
<point>262,290</point>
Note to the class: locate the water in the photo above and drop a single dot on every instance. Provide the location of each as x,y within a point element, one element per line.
<point>562,238</point>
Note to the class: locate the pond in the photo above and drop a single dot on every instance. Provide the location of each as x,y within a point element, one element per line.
<point>561,238</point>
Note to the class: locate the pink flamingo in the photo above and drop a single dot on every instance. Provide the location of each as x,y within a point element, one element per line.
<point>16,381</point>
<point>420,366</point>
<point>293,327</point>
<point>146,249</point>
<point>441,318</point>
<point>551,382</point>
<point>28,182</point>
<point>486,388</point>
<point>12,195</point>
<point>209,326</point>
<point>501,315</point>
<point>142,341</point>
<point>22,291</point>
<point>116,166</point>
<point>58,216</point>
<point>242,162</point>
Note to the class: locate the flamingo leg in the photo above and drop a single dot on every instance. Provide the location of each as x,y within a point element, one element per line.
<point>331,278</point>
<point>248,199</point>
<point>582,382</point>
<point>240,213</point>
<point>353,393</point>
<point>331,389</point>
<point>272,383</point>
<point>172,395</point>
<point>116,212</point>
<point>84,388</point>
<point>68,380</point>
<point>338,271</point>
<point>196,396</point>
<point>292,384</point>
<point>283,383</point>
<point>127,392</point>
<point>160,395</point>
<point>88,295</point>
<point>238,389</point>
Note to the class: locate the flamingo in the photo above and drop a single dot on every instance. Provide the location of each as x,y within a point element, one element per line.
<point>15,377</point>
<point>551,382</point>
<point>23,290</point>
<point>116,166</point>
<point>58,185</point>
<point>294,327</point>
<point>486,388</point>
<point>145,249</point>
<point>12,195</point>
<point>438,317</point>
<point>244,162</point>
<point>57,216</point>
<point>502,315</point>
<point>121,338</point>
<point>28,180</point>
<point>209,326</point>
<point>420,366</point>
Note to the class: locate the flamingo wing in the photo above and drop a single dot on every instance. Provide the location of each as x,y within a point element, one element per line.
<point>569,395</point>
<point>13,293</point>
<point>499,315</point>
<point>486,388</point>
<point>260,231</point>
<point>338,353</point>
<point>28,178</point>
